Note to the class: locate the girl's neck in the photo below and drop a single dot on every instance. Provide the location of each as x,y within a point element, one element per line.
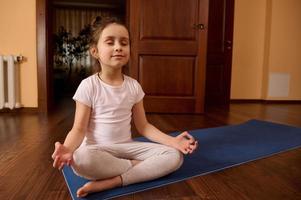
<point>111,77</point>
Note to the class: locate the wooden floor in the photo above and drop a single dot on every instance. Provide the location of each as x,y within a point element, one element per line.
<point>26,144</point>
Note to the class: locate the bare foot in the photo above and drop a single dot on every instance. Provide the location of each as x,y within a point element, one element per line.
<point>97,186</point>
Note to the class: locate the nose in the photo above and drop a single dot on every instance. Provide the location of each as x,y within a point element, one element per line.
<point>118,47</point>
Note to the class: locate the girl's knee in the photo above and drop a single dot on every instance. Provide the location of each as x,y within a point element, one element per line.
<point>176,159</point>
<point>84,156</point>
<point>179,159</point>
<point>96,164</point>
<point>84,163</point>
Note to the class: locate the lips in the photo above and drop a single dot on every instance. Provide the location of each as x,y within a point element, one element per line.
<point>118,56</point>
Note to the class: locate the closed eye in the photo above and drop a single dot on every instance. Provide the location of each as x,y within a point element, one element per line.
<point>109,42</point>
<point>124,43</point>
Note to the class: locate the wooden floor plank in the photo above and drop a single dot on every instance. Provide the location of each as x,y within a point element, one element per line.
<point>26,145</point>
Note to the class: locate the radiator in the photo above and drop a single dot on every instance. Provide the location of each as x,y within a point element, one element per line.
<point>9,81</point>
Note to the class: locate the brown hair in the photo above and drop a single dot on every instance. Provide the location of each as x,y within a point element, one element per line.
<point>96,27</point>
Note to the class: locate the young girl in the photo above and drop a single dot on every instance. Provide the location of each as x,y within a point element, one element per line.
<point>99,146</point>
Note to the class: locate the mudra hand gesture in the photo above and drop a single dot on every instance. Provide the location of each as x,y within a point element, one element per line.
<point>61,156</point>
<point>185,143</point>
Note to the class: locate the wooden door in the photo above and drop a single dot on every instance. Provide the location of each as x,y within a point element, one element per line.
<point>169,53</point>
<point>219,52</point>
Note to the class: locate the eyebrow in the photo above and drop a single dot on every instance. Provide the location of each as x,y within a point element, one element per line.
<point>113,37</point>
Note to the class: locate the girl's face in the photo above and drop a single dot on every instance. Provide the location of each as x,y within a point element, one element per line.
<point>113,47</point>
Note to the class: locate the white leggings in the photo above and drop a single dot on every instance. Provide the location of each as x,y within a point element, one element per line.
<point>95,163</point>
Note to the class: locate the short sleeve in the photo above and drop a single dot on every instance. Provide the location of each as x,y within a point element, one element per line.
<point>140,93</point>
<point>83,93</point>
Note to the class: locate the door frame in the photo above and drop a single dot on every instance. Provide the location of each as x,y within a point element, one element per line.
<point>44,54</point>
<point>223,98</point>
<point>42,35</point>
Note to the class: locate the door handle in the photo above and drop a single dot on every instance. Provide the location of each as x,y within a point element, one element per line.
<point>199,26</point>
<point>229,44</point>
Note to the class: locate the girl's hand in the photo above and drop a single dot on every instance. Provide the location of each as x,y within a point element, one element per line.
<point>61,156</point>
<point>185,143</point>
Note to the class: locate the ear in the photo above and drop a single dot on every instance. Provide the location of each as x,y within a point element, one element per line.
<point>94,52</point>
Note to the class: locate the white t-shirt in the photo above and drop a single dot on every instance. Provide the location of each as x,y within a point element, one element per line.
<point>111,109</point>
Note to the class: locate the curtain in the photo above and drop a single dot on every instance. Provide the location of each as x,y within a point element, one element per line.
<point>75,19</point>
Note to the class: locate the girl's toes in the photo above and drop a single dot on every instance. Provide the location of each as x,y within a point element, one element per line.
<point>81,192</point>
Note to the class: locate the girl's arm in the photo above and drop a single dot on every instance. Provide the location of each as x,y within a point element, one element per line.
<point>183,142</point>
<point>63,154</point>
<point>77,133</point>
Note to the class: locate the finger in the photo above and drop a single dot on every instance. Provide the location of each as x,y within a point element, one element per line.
<point>61,165</point>
<point>69,162</point>
<point>184,151</point>
<point>184,134</point>
<point>56,149</point>
<point>59,147</point>
<point>192,150</point>
<point>187,150</point>
<point>193,147</point>
<point>196,144</point>
<point>192,142</point>
<point>56,161</point>
<point>190,137</point>
<point>53,155</point>
<point>57,144</point>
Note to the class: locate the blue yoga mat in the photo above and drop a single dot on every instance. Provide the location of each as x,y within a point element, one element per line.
<point>220,148</point>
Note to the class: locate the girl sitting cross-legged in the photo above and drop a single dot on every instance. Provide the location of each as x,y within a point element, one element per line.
<point>99,147</point>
